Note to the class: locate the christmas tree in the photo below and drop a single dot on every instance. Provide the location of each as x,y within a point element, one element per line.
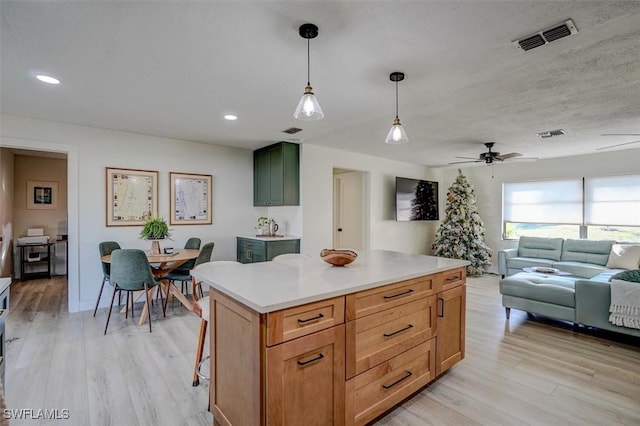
<point>425,206</point>
<point>461,233</point>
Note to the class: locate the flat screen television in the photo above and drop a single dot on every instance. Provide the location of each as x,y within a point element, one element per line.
<point>416,199</point>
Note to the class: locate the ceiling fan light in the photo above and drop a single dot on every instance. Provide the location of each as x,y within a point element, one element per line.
<point>396,135</point>
<point>308,108</point>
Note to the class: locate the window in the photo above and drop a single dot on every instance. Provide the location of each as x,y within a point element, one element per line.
<point>604,208</point>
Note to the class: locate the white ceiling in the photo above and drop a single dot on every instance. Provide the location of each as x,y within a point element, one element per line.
<point>174,68</point>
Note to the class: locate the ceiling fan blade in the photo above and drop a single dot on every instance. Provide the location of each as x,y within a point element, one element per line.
<point>503,157</point>
<point>614,146</point>
<point>526,159</point>
<point>469,158</point>
<point>474,161</point>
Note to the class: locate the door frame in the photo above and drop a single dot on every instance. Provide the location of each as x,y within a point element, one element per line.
<point>73,283</point>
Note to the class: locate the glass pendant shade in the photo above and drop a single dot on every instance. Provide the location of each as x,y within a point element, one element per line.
<point>308,108</point>
<point>396,134</point>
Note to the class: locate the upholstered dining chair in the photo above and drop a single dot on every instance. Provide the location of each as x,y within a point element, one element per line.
<point>130,271</point>
<point>184,274</point>
<point>194,244</point>
<point>105,248</point>
<point>201,309</point>
<point>289,256</point>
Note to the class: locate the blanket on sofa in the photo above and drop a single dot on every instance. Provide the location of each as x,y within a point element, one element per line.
<point>625,299</point>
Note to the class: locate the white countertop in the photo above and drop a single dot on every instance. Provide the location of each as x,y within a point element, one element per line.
<point>267,238</point>
<point>271,286</point>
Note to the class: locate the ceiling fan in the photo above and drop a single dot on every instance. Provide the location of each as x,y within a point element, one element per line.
<point>619,144</point>
<point>490,157</point>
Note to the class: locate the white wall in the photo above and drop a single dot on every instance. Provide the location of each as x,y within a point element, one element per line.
<point>488,189</point>
<point>317,164</point>
<point>91,150</point>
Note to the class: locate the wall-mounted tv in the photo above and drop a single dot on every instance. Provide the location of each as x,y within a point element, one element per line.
<point>416,199</point>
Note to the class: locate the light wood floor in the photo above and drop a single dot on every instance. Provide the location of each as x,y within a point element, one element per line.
<point>526,371</point>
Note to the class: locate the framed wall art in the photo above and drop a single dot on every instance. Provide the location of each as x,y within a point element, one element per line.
<point>132,196</point>
<point>42,195</point>
<point>190,196</point>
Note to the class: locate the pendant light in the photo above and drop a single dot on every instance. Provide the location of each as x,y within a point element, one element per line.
<point>308,107</point>
<point>396,134</point>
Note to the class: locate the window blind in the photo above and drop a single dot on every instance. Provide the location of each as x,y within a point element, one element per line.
<point>557,201</point>
<point>612,200</point>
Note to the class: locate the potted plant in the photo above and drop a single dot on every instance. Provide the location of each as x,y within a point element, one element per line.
<point>263,225</point>
<point>155,229</point>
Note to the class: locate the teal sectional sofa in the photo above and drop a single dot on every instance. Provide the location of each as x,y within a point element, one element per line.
<point>582,297</point>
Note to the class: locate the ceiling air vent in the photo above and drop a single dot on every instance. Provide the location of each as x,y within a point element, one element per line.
<point>547,35</point>
<point>292,130</point>
<point>551,133</point>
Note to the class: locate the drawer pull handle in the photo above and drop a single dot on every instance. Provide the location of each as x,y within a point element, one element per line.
<point>452,279</point>
<point>399,331</point>
<point>441,300</point>
<point>317,317</point>
<point>407,374</point>
<point>317,358</point>
<point>404,293</point>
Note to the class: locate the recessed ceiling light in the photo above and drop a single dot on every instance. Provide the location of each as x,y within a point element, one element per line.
<point>230,117</point>
<point>47,79</point>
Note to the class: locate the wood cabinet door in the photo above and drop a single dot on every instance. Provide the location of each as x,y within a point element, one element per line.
<point>450,328</point>
<point>261,178</point>
<point>305,380</point>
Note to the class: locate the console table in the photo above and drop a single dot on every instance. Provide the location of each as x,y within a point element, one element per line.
<point>303,342</point>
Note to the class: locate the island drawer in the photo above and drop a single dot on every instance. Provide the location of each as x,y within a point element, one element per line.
<point>289,324</point>
<point>453,278</point>
<point>369,302</point>
<point>377,338</point>
<point>373,392</point>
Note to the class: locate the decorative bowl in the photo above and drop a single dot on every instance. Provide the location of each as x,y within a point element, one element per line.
<point>338,257</point>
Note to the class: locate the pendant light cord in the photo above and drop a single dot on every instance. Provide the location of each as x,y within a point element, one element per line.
<point>308,64</point>
<point>396,98</point>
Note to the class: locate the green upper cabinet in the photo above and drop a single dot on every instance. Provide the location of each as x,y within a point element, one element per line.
<point>276,175</point>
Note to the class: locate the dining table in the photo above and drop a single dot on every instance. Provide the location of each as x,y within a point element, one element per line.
<point>161,265</point>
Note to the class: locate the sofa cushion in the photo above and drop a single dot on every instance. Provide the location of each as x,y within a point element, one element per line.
<point>542,248</point>
<point>549,289</point>
<point>606,275</point>
<point>523,262</point>
<point>580,269</point>
<point>587,251</point>
<point>624,256</point>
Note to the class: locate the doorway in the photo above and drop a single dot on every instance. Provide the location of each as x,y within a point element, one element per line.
<point>350,201</point>
<point>71,154</point>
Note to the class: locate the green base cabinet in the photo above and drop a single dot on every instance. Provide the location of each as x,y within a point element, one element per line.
<point>276,175</point>
<point>251,250</point>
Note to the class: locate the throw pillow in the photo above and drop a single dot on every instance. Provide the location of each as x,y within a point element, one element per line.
<point>633,276</point>
<point>624,256</point>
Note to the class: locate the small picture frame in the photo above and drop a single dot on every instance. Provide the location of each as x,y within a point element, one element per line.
<point>132,196</point>
<point>42,195</point>
<point>190,196</point>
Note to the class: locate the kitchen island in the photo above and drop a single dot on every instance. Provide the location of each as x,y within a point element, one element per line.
<point>303,342</point>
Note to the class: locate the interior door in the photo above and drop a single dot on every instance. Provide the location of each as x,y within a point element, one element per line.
<point>349,211</point>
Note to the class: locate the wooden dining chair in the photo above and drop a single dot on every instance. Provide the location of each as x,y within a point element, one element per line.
<point>105,248</point>
<point>201,309</point>
<point>130,271</point>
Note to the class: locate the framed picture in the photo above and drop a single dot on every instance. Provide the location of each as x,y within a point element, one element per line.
<point>132,196</point>
<point>190,197</point>
<point>42,195</point>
